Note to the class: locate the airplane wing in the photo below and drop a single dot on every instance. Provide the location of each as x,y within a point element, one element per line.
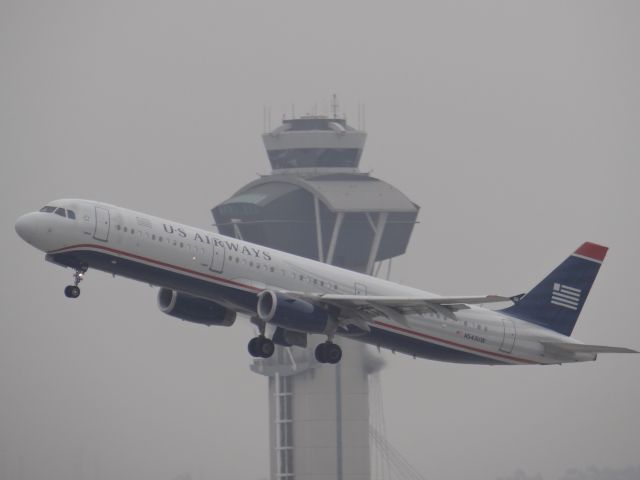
<point>359,309</point>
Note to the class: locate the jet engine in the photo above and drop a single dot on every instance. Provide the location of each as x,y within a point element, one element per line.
<point>194,309</point>
<point>292,313</point>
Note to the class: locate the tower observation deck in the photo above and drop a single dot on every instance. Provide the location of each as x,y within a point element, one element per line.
<point>316,203</point>
<point>314,142</point>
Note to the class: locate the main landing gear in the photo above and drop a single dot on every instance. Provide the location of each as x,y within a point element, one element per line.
<point>261,346</point>
<point>73,291</point>
<point>328,352</point>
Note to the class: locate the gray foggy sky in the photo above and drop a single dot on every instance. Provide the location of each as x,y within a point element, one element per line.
<point>513,124</point>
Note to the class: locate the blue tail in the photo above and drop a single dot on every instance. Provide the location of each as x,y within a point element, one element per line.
<point>556,302</point>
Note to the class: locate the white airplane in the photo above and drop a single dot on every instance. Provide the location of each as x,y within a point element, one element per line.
<point>208,278</point>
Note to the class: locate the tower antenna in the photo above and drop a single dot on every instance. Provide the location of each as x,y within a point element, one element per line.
<point>334,105</point>
<point>364,118</point>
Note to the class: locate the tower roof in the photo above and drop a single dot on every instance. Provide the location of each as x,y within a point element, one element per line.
<point>339,192</point>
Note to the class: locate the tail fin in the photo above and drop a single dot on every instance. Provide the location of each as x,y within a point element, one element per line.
<point>556,302</point>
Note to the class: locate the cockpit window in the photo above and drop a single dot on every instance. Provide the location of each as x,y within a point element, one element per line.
<point>59,211</point>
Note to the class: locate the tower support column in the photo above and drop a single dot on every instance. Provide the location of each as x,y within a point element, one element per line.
<point>377,236</point>
<point>334,237</point>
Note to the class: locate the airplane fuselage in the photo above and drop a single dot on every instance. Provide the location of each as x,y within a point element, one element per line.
<point>232,273</point>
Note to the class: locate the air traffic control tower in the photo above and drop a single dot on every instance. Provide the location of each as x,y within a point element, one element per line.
<point>316,203</point>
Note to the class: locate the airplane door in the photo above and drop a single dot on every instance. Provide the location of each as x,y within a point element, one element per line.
<point>509,338</point>
<point>217,260</point>
<point>360,289</point>
<point>102,224</point>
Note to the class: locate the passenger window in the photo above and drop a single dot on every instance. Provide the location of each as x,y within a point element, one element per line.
<point>47,209</point>
<point>71,214</point>
<point>61,212</point>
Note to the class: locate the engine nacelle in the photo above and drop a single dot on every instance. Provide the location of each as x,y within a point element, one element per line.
<point>194,309</point>
<point>291,313</point>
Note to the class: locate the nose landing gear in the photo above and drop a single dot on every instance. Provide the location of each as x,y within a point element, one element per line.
<point>73,291</point>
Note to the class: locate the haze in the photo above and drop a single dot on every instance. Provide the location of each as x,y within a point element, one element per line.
<point>513,124</point>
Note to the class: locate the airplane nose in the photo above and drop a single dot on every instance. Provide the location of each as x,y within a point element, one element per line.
<point>26,227</point>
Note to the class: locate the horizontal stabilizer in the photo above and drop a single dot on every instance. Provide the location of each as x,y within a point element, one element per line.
<point>581,348</point>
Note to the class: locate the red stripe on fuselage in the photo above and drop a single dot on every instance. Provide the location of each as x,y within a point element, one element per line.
<point>253,289</point>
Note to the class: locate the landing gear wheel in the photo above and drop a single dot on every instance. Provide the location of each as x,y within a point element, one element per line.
<point>334,353</point>
<point>261,347</point>
<point>253,349</point>
<point>320,354</point>
<point>328,352</point>
<point>72,291</point>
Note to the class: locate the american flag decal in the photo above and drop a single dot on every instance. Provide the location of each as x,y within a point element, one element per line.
<point>564,296</point>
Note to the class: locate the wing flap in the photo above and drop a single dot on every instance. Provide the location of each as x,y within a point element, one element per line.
<point>360,309</point>
<point>396,301</point>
